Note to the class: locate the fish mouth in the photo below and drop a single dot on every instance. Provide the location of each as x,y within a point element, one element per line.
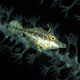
<point>63,46</point>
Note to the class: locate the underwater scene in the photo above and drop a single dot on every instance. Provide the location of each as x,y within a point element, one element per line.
<point>39,39</point>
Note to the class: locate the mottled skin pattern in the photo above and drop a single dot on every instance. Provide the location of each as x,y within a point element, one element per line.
<point>41,38</point>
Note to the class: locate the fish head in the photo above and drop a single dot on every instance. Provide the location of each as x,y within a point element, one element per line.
<point>54,43</point>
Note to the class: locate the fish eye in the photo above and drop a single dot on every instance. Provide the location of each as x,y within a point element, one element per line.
<point>53,38</point>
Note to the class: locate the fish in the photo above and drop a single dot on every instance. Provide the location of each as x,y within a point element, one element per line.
<point>43,39</point>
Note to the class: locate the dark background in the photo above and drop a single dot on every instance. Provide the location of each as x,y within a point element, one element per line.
<point>31,8</point>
